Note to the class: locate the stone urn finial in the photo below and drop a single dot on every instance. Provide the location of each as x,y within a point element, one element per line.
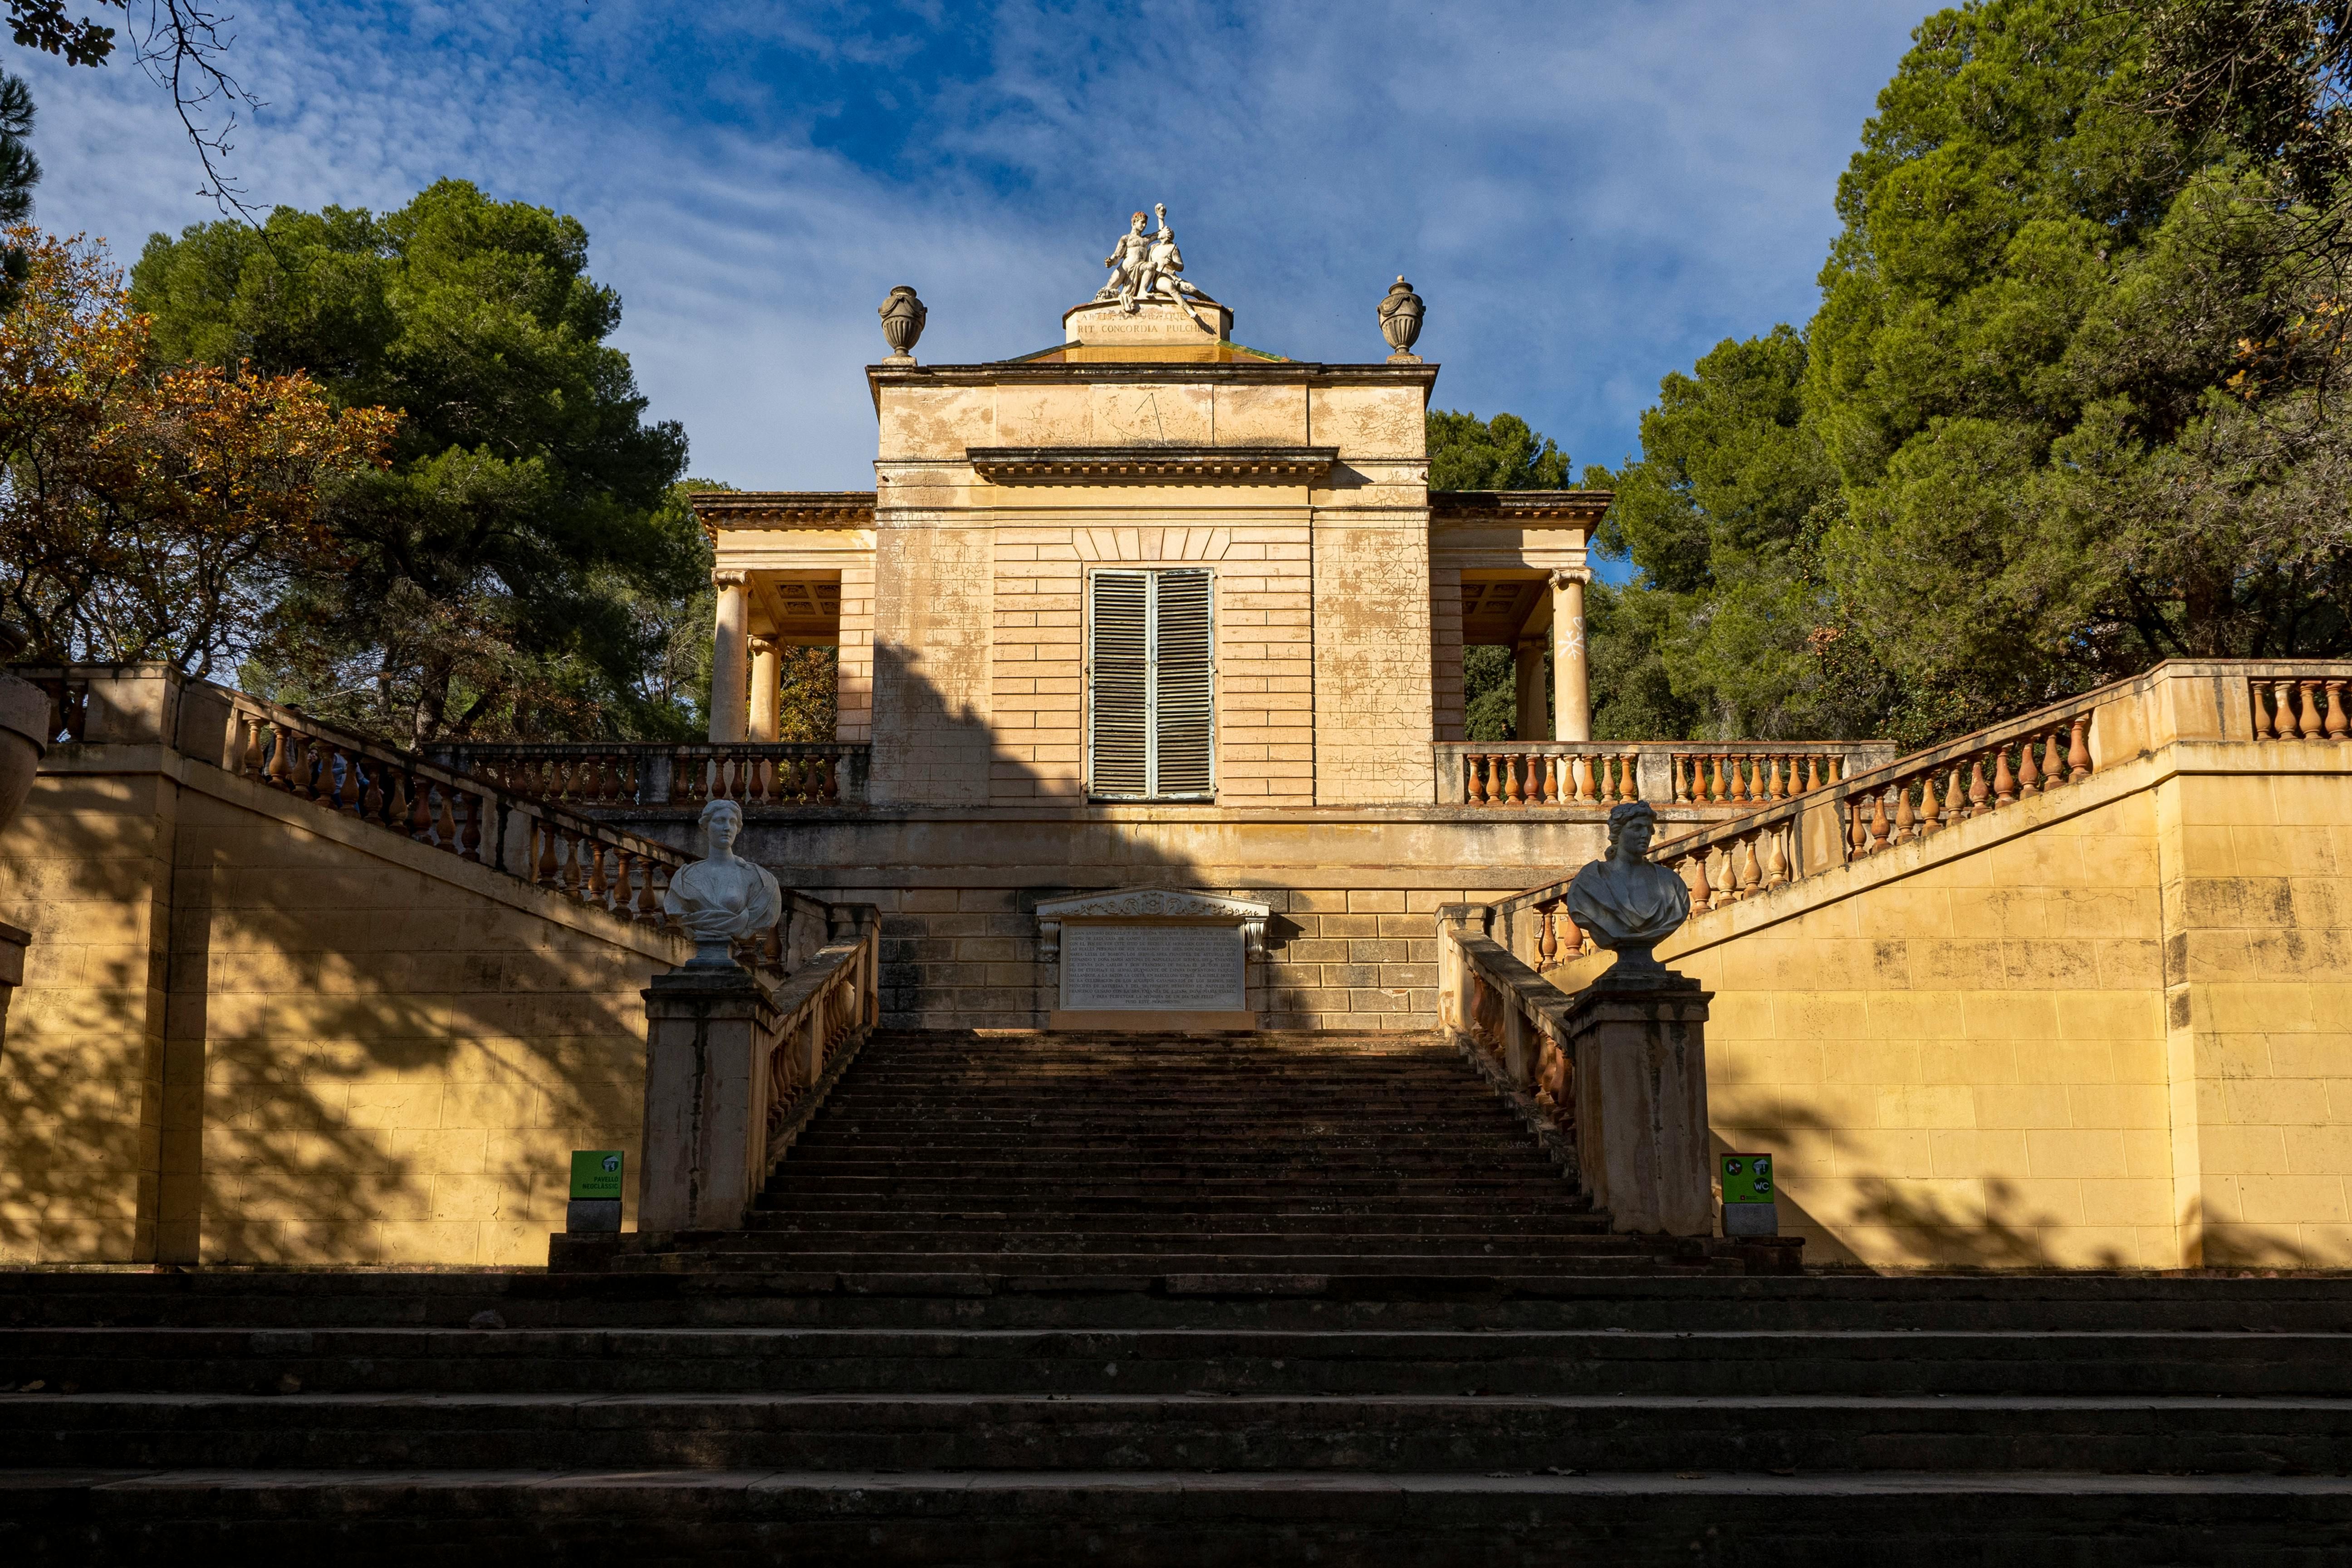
<point>1401,312</point>
<point>902,323</point>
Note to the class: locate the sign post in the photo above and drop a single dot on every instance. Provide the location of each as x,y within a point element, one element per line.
<point>595,1203</point>
<point>1748,1208</point>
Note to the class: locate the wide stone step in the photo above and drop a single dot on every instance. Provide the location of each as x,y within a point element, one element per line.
<point>779,1211</point>
<point>1535,1250</point>
<point>1172,1360</point>
<point>1184,1517</point>
<point>1471,1431</point>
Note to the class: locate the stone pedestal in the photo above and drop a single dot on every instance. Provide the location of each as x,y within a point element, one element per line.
<point>13,942</point>
<point>707,1036</point>
<point>1640,1049</point>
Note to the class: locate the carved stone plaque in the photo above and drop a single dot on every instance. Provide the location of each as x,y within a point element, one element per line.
<point>1136,967</point>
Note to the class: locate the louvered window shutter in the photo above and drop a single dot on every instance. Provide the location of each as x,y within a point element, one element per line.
<point>1181,717</point>
<point>1151,718</point>
<point>1117,709</point>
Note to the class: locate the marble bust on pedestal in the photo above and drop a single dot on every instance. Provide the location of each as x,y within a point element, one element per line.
<point>721,897</point>
<point>1626,903</point>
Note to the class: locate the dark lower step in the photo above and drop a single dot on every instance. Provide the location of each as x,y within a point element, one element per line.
<point>777,1232</point>
<point>1468,1432</point>
<point>1170,1360</point>
<point>778,1211</point>
<point>1178,1519</point>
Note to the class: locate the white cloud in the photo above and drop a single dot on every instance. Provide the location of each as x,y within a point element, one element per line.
<point>1588,195</point>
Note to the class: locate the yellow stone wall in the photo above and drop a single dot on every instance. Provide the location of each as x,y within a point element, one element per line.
<point>252,1030</point>
<point>2109,1026</point>
<point>2257,893</point>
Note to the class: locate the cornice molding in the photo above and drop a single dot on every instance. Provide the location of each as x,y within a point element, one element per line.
<point>1149,903</point>
<point>1520,506</point>
<point>1235,465</point>
<point>773,510</point>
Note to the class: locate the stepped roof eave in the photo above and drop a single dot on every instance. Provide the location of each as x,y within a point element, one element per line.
<point>765,509</point>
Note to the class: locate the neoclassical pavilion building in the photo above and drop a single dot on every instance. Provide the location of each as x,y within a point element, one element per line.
<point>1149,610</point>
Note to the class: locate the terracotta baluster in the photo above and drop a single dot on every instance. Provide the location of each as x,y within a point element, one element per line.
<point>1931,806</point>
<point>1956,804</point>
<point>1776,868</point>
<point>2283,707</point>
<point>249,761</point>
<point>2265,721</point>
<point>1812,773</point>
<point>2078,749</point>
<point>396,809</point>
<point>1548,946</point>
<point>624,879</point>
<point>445,829</point>
<point>597,886</point>
<point>2004,782</point>
<point>1879,826</point>
<point>1701,896</point>
<point>2029,777</point>
<point>1740,768</point>
<point>306,767</point>
<point>1629,782</point>
<point>2339,724</point>
<point>1512,794</point>
<point>1750,875</point>
<point>1858,829</point>
<point>1475,790</point>
<point>1720,793</point>
<point>1905,823</point>
<point>1678,766</point>
<point>649,904</point>
<point>371,800</point>
<point>279,772</point>
<point>1587,794</point>
<point>420,811</point>
<point>1572,936</point>
<point>543,863</point>
<point>2314,727</point>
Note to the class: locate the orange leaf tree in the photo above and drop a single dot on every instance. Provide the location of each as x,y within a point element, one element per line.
<point>147,513</point>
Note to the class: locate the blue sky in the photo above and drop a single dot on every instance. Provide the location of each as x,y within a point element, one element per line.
<point>1588,194</point>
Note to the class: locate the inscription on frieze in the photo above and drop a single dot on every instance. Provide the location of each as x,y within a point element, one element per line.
<point>1153,968</point>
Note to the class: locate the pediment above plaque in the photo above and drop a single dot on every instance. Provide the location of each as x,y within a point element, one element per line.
<point>1153,903</point>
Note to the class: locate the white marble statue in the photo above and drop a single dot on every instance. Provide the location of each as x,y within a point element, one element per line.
<point>1625,902</point>
<point>1149,267</point>
<point>721,897</point>
<point>1125,263</point>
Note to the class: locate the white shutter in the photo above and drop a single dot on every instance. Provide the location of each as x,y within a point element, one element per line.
<point>1183,735</point>
<point>1118,696</point>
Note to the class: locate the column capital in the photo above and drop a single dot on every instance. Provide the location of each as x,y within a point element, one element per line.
<point>1563,575</point>
<point>763,642</point>
<point>731,577</point>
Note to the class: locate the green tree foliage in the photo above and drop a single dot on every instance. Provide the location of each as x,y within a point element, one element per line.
<point>2077,346</point>
<point>493,582</point>
<point>2065,408</point>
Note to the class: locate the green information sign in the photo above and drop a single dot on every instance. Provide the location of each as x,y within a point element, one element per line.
<point>1747,1178</point>
<point>596,1174</point>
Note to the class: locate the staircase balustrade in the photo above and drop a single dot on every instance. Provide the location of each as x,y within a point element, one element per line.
<point>669,775</point>
<point>1581,775</point>
<point>2299,707</point>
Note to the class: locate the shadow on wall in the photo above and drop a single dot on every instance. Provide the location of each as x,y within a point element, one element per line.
<point>339,1059</point>
<point>957,896</point>
<point>2006,1232</point>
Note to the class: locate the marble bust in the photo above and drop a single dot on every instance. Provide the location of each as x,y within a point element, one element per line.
<point>1627,904</point>
<point>721,897</point>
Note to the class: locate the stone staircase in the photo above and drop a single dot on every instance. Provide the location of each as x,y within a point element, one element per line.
<point>1193,1301</point>
<point>1295,1161</point>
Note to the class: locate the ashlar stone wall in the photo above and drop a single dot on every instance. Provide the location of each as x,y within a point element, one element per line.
<point>252,1030</point>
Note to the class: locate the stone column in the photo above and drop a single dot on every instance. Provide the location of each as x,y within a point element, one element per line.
<point>1527,673</point>
<point>707,1034</point>
<point>1639,1050</point>
<point>728,655</point>
<point>1572,675</point>
<point>767,676</point>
